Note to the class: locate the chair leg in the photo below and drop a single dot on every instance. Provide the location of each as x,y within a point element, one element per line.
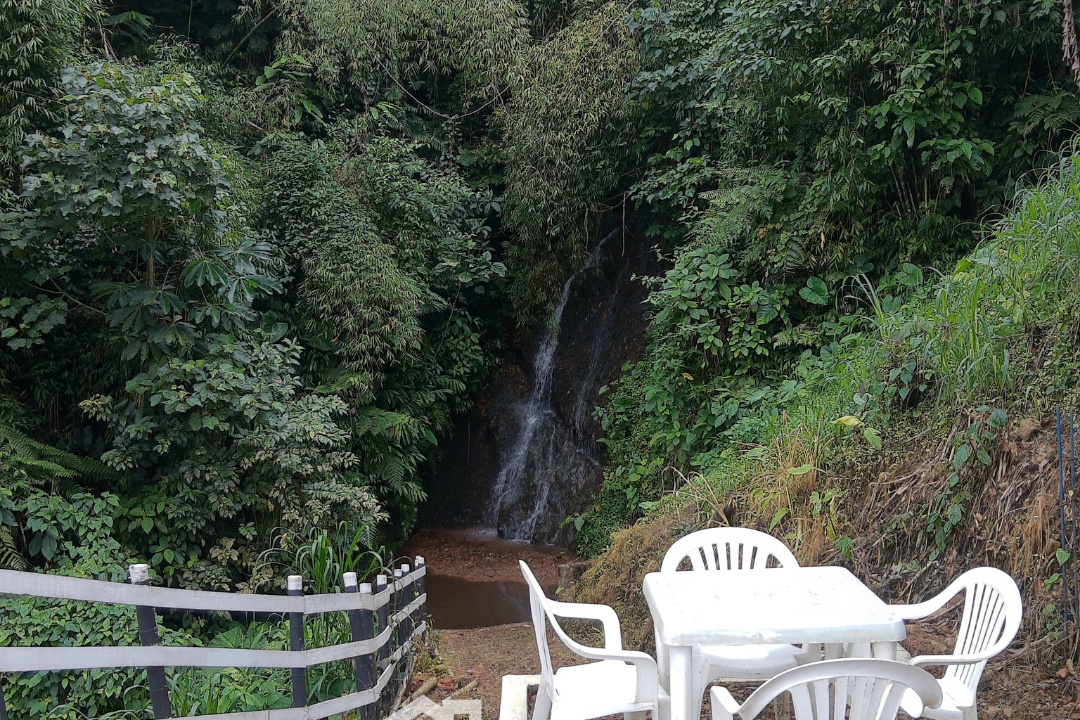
<point>542,708</point>
<point>697,687</point>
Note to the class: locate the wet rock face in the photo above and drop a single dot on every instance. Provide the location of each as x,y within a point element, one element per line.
<point>527,456</point>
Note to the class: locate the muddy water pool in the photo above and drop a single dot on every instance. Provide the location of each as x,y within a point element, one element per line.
<point>474,579</point>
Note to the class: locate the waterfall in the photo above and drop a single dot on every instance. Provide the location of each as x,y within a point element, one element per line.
<point>533,413</point>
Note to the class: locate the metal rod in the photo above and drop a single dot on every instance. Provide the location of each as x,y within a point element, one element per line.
<point>398,633</point>
<point>1061,497</point>
<point>381,614</point>
<point>139,574</point>
<point>296,642</point>
<point>1072,498</point>
<point>362,627</point>
<point>421,612</point>
<point>3,705</point>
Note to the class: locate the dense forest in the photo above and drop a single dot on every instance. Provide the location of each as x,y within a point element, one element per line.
<point>256,254</point>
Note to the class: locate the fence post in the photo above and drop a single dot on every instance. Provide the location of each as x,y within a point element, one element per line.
<point>421,612</point>
<point>139,574</point>
<point>295,585</point>
<point>408,594</point>
<point>1064,575</point>
<point>362,625</point>
<point>381,613</point>
<point>3,705</point>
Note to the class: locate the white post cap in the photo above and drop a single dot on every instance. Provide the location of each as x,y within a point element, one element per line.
<point>295,582</point>
<point>349,579</point>
<point>139,573</point>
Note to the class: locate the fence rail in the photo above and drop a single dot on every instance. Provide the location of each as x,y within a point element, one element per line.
<point>383,620</point>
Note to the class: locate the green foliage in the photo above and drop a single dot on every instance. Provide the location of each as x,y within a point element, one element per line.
<point>389,257</point>
<point>370,47</point>
<point>37,39</point>
<point>567,136</point>
<point>903,121</point>
<point>904,348</point>
<point>72,537</point>
<point>203,692</point>
<point>232,439</point>
<point>965,332</point>
<point>130,216</point>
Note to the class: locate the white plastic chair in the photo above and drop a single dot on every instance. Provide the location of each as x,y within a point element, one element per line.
<point>732,550</point>
<point>854,688</point>
<point>992,614</point>
<point>624,681</point>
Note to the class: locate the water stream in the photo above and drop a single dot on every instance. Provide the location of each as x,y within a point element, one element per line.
<point>541,457</point>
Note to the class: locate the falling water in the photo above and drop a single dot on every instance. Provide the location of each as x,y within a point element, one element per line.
<point>534,412</point>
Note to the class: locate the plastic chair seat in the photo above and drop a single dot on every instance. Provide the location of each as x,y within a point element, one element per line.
<point>608,687</point>
<point>950,709</point>
<point>746,662</point>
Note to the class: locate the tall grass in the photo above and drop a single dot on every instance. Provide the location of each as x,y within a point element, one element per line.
<point>965,336</point>
<point>968,328</point>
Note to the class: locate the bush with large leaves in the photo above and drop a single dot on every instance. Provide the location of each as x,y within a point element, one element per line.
<point>388,259</point>
<point>133,225</point>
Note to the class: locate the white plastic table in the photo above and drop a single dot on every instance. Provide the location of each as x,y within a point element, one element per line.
<point>811,605</point>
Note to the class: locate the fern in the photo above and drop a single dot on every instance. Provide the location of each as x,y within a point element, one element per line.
<point>45,463</point>
<point>10,557</point>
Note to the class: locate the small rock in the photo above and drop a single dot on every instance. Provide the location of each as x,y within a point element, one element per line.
<point>1063,673</point>
<point>1028,427</point>
<point>448,684</point>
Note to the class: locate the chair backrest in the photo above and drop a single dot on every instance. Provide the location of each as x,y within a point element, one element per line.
<point>854,688</point>
<point>992,613</point>
<point>727,548</point>
<point>539,619</point>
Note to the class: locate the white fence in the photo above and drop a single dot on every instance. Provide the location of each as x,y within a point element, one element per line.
<point>383,620</point>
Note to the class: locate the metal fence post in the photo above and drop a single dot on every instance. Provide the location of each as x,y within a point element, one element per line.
<point>408,594</point>
<point>139,574</point>
<point>421,612</point>
<point>398,632</point>
<point>381,614</point>
<point>1064,575</point>
<point>3,705</point>
<point>295,585</point>
<point>362,626</point>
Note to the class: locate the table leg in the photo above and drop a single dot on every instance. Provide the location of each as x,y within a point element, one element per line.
<point>680,680</point>
<point>662,667</point>
<point>859,650</point>
<point>884,650</point>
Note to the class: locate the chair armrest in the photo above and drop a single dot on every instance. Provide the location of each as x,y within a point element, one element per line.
<point>724,707</point>
<point>648,687</point>
<point>584,611</point>
<point>966,659</point>
<point>919,611</point>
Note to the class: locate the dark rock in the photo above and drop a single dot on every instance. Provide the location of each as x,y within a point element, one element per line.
<point>602,327</point>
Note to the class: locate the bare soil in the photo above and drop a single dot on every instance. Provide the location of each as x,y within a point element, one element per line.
<point>478,554</point>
